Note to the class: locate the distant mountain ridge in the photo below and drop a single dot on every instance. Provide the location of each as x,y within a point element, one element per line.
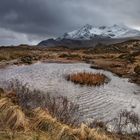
<point>90,35</point>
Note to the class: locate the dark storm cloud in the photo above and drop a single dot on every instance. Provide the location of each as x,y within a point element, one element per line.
<point>47,18</point>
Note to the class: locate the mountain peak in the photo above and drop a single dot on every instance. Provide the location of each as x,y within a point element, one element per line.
<point>88,32</point>
<point>87,26</point>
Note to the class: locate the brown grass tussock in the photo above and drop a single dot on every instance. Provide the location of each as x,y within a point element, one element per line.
<point>87,78</point>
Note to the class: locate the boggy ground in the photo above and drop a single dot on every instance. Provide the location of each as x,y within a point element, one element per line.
<point>122,59</point>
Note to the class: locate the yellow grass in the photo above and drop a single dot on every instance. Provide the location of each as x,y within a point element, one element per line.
<point>4,104</point>
<point>59,131</point>
<point>12,115</point>
<point>85,78</point>
<point>15,118</point>
<point>42,120</point>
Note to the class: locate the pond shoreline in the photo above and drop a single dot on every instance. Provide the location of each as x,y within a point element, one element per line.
<point>118,70</point>
<point>133,77</point>
<point>50,77</point>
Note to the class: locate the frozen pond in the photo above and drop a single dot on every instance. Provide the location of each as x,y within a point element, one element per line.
<point>102,102</point>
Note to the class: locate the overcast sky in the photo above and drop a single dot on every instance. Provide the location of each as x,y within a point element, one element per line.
<point>29,21</point>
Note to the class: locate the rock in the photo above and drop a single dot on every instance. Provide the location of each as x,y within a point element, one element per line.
<point>137,69</point>
<point>27,59</point>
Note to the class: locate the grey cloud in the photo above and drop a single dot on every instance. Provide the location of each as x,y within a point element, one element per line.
<point>51,18</point>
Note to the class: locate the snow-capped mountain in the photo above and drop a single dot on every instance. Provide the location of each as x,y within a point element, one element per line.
<point>89,36</point>
<point>89,32</point>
